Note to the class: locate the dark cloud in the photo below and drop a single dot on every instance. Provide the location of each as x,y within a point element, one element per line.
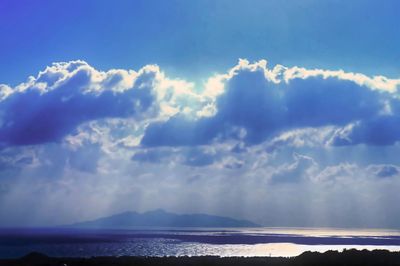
<point>319,101</point>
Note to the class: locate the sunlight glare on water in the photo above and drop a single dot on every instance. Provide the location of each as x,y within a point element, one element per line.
<point>246,242</point>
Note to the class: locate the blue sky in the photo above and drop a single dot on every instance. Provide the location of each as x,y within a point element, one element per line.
<point>196,38</point>
<point>285,113</point>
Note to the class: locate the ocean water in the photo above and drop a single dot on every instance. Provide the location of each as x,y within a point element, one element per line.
<point>190,242</point>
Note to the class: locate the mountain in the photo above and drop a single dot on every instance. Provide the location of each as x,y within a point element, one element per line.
<point>161,218</point>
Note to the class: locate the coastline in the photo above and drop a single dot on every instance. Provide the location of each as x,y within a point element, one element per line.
<point>345,257</point>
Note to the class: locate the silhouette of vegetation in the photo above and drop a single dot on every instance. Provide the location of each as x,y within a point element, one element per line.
<point>329,258</point>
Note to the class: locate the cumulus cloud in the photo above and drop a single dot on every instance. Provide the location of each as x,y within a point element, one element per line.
<point>254,103</point>
<point>250,103</point>
<point>52,105</point>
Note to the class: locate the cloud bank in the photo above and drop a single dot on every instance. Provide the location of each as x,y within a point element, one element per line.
<point>251,103</point>
<point>283,146</point>
<point>258,103</point>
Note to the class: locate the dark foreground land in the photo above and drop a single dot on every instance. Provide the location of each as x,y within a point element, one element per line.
<point>345,258</point>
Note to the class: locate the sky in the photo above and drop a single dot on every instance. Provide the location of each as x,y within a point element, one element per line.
<point>285,113</point>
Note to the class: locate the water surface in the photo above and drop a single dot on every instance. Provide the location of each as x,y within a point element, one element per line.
<point>62,242</point>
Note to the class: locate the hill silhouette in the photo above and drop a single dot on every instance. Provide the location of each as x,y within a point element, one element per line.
<point>161,218</point>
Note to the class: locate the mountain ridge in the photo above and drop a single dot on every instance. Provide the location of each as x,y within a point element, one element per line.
<point>162,218</point>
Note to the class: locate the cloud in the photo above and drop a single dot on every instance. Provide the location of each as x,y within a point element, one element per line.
<point>150,156</point>
<point>232,163</point>
<point>52,105</point>
<point>253,103</point>
<point>302,168</point>
<point>194,157</point>
<point>384,170</point>
<point>51,188</point>
<point>274,145</point>
<point>333,173</point>
<point>199,157</point>
<point>378,130</point>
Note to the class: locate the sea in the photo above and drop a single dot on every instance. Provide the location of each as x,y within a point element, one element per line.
<point>234,242</point>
